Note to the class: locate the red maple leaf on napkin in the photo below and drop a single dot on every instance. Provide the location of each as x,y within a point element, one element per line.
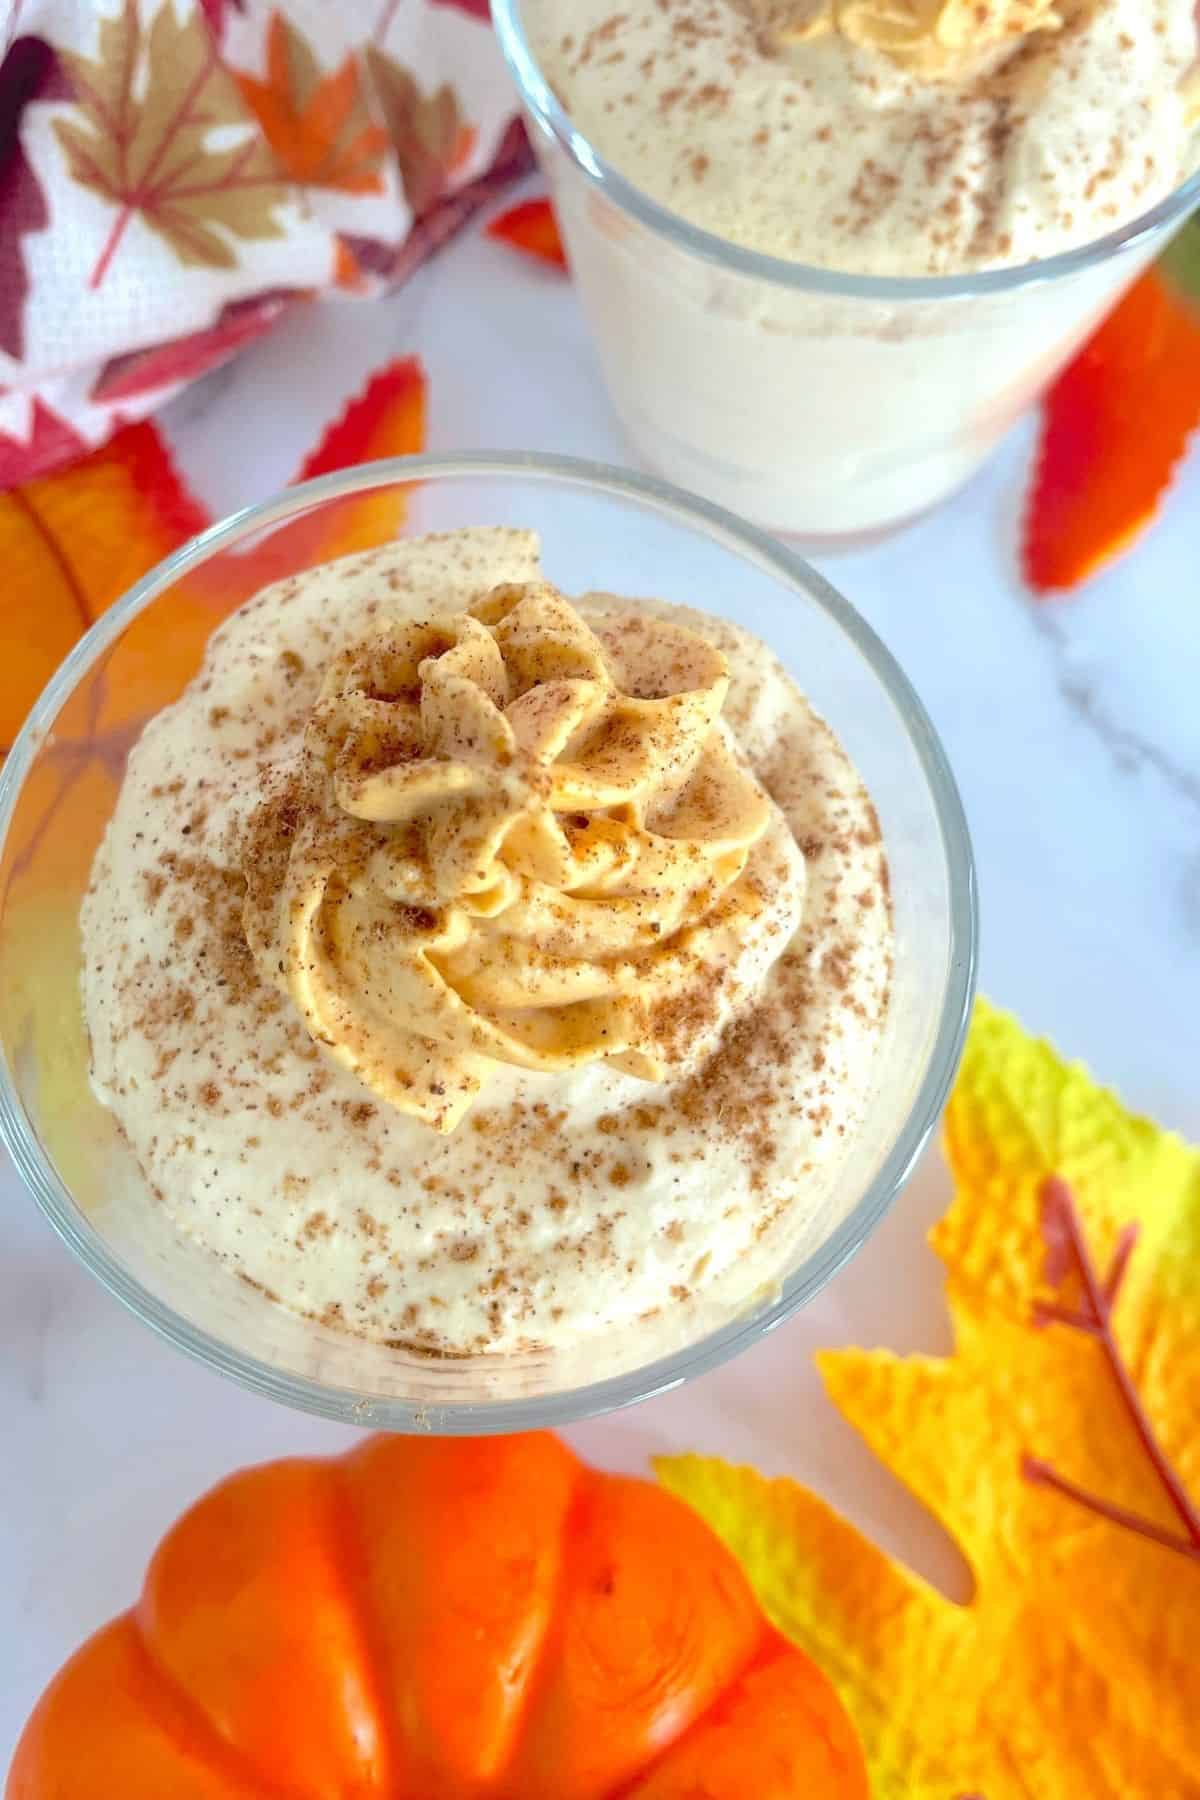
<point>478,9</point>
<point>29,71</point>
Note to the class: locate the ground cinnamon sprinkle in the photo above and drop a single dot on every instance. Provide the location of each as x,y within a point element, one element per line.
<point>529,1202</point>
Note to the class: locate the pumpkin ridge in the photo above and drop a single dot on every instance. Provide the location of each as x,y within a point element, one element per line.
<point>349,1557</point>
<point>599,1492</point>
<point>769,1648</point>
<point>586,1479</point>
<point>472,1468</point>
<point>184,1721</point>
<point>583,1477</point>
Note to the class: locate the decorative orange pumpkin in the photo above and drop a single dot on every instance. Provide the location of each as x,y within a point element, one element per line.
<point>431,1619</point>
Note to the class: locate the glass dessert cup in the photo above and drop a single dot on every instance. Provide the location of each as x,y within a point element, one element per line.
<point>824,406</point>
<point>601,529</point>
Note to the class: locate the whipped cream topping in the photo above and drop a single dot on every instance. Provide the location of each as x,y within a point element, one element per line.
<point>505,840</point>
<point>941,40</point>
<point>885,137</point>
<point>570,1200</point>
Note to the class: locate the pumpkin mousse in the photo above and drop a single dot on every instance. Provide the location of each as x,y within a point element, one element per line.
<point>473,967</point>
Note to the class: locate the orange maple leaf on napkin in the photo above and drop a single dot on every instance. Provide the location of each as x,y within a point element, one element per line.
<point>1043,1445</point>
<point>318,125</point>
<point>151,102</point>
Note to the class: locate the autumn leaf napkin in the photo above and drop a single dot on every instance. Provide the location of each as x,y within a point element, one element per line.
<point>174,174</point>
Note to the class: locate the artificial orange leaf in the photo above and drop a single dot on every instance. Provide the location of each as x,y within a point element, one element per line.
<point>1058,1445</point>
<point>73,542</point>
<point>1115,425</point>
<point>532,228</point>
<point>166,84</point>
<point>318,125</point>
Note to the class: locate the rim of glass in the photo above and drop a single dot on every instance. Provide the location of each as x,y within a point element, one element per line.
<point>772,557</point>
<point>540,101</point>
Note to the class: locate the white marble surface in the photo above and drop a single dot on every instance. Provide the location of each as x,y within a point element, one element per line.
<point>1075,733</point>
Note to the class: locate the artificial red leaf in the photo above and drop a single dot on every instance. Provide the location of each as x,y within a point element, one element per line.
<point>531,228</point>
<point>167,83</point>
<point>386,419</point>
<point>28,72</point>
<point>478,9</point>
<point>317,123</point>
<point>1115,425</point>
<point>183,359</point>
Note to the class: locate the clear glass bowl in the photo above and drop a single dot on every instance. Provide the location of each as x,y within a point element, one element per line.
<point>828,406</point>
<point>600,529</point>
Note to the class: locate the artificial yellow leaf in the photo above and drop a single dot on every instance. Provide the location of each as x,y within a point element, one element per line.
<point>1072,1673</point>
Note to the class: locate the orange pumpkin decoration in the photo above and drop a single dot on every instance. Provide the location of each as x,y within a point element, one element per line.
<point>430,1619</point>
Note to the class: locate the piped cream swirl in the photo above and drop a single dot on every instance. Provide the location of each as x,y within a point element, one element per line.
<point>939,40</point>
<point>509,837</point>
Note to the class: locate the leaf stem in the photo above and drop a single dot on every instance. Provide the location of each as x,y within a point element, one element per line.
<point>111,244</point>
<point>1058,1203</point>
<point>384,20</point>
<point>1049,1312</point>
<point>1041,1474</point>
<point>136,194</point>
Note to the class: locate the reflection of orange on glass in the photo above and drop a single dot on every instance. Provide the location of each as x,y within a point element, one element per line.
<point>72,544</point>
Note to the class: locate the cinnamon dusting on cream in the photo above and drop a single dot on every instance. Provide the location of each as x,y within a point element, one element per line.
<point>567,1202</point>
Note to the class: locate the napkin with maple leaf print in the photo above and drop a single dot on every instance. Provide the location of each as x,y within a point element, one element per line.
<point>174,174</point>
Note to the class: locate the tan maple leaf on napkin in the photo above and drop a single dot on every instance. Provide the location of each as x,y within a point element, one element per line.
<point>151,152</point>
